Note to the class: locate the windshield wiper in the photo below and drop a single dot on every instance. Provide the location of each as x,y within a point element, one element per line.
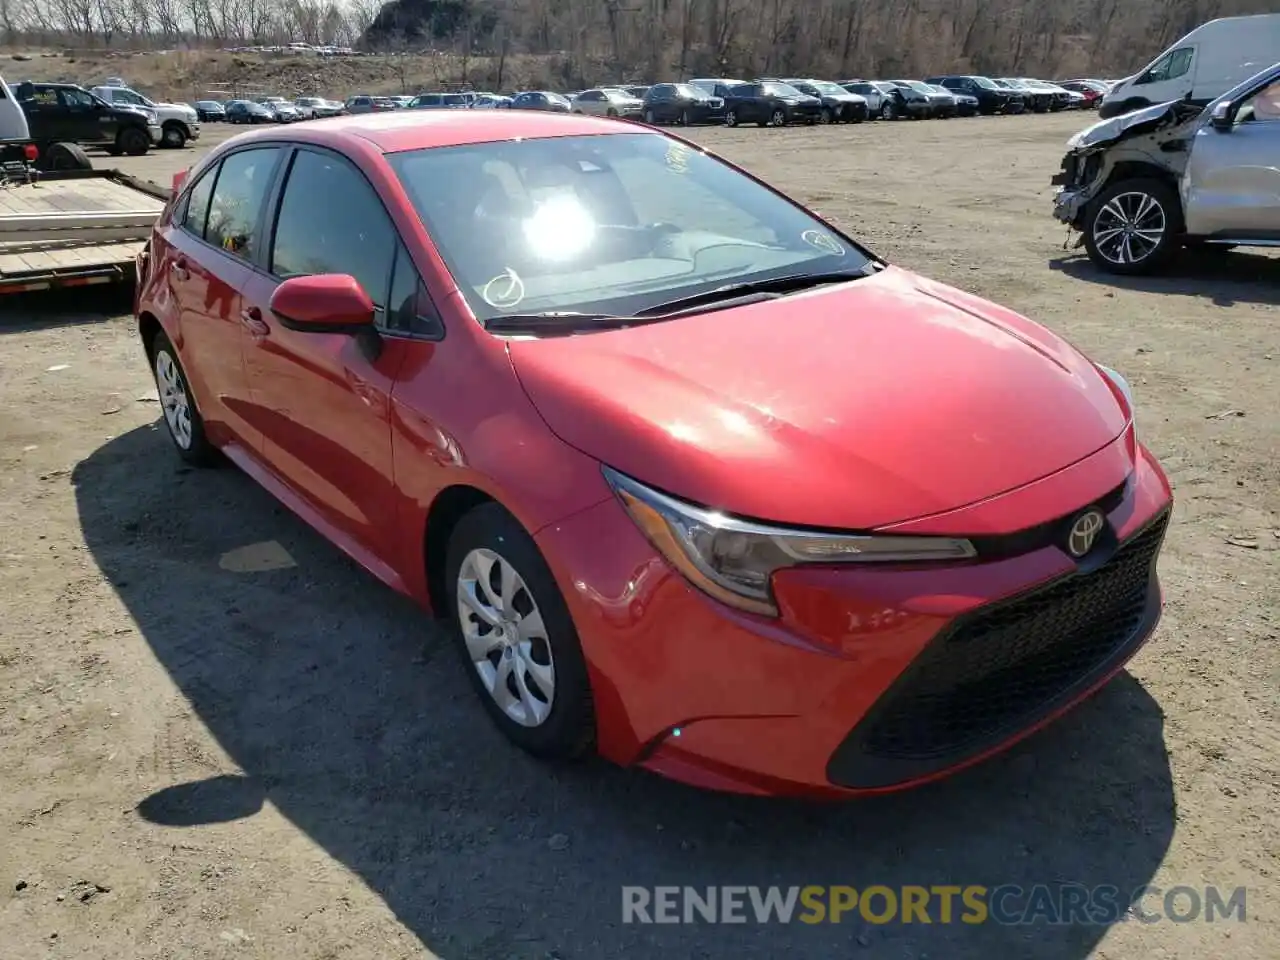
<point>566,321</point>
<point>562,321</point>
<point>754,289</point>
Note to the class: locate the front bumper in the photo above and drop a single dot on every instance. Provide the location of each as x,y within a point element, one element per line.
<point>193,129</point>
<point>872,679</point>
<point>155,132</point>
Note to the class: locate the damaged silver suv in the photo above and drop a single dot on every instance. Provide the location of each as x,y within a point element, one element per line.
<point>1141,185</point>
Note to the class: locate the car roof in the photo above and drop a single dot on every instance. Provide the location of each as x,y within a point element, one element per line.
<point>416,130</point>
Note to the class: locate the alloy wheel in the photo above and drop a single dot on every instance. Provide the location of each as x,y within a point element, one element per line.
<point>505,637</point>
<point>731,118</point>
<point>174,399</point>
<point>778,119</point>
<point>1129,227</point>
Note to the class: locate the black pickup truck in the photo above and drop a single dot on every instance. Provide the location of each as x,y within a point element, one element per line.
<point>66,113</point>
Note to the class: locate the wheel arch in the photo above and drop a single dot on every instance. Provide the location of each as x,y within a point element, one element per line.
<point>449,506</point>
<point>148,326</point>
<point>1139,170</point>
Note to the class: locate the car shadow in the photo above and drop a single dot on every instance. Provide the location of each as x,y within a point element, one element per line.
<point>62,307</point>
<point>348,710</point>
<point>1224,278</point>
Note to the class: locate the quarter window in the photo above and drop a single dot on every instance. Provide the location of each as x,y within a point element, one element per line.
<point>409,310</point>
<point>237,200</point>
<point>197,212</point>
<point>331,221</point>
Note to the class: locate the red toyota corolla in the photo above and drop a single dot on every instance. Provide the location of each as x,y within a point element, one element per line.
<point>699,482</point>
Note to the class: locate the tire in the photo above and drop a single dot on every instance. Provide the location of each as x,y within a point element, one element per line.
<point>133,141</point>
<point>731,118</point>
<point>1152,214</point>
<point>886,110</point>
<point>826,116</point>
<point>649,118</point>
<point>173,136</point>
<point>65,156</point>
<point>777,119</point>
<point>611,112</point>
<point>546,712</point>
<point>182,419</point>
<point>684,119</point>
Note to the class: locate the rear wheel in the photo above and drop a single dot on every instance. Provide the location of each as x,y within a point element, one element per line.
<point>133,141</point>
<point>65,156</point>
<point>1132,226</point>
<point>183,420</point>
<point>516,638</point>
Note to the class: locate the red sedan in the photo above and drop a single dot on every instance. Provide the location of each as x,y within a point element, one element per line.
<point>698,482</point>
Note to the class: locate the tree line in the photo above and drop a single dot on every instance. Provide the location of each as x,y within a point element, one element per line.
<point>600,40</point>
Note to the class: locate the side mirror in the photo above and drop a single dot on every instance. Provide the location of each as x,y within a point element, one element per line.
<point>323,303</point>
<point>1221,117</point>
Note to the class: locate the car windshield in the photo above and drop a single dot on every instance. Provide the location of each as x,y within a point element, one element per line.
<point>689,90</point>
<point>610,224</point>
<point>828,88</point>
<point>776,89</point>
<point>918,86</point>
<point>556,98</point>
<point>984,83</point>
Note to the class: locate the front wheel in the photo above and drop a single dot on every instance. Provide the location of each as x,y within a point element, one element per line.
<point>516,637</point>
<point>778,118</point>
<point>684,119</point>
<point>731,118</point>
<point>826,116</point>
<point>1132,227</point>
<point>886,111</point>
<point>174,136</point>
<point>649,118</point>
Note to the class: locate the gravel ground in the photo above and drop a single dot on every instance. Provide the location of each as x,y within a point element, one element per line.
<point>210,748</point>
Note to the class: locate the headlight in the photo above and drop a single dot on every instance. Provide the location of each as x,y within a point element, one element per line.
<point>152,117</point>
<point>1126,391</point>
<point>734,560</point>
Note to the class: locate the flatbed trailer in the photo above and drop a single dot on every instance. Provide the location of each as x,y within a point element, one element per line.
<point>74,228</point>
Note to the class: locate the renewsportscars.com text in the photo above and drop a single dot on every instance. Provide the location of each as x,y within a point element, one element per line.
<point>1065,904</point>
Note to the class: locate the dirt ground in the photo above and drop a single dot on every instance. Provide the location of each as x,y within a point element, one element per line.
<point>210,752</point>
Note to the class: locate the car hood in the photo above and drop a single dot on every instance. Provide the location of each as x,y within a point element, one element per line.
<point>1132,124</point>
<point>883,400</point>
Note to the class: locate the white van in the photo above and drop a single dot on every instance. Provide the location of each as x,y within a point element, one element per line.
<point>1202,66</point>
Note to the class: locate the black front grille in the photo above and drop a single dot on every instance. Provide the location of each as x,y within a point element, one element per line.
<point>1003,668</point>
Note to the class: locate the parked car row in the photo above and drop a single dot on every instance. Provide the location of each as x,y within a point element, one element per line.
<point>777,101</point>
<point>266,110</point>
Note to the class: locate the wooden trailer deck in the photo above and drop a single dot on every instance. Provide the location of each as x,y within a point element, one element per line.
<point>74,230</point>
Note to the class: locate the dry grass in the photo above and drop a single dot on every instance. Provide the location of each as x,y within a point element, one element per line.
<point>188,75</point>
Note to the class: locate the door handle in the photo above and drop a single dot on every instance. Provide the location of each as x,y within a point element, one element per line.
<point>180,270</point>
<point>251,317</point>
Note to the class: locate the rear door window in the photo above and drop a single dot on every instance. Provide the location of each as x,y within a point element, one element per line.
<point>235,209</point>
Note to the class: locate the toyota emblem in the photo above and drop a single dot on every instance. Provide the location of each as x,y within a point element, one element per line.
<point>1084,532</point>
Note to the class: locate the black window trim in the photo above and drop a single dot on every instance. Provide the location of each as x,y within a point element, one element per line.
<point>275,199</point>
